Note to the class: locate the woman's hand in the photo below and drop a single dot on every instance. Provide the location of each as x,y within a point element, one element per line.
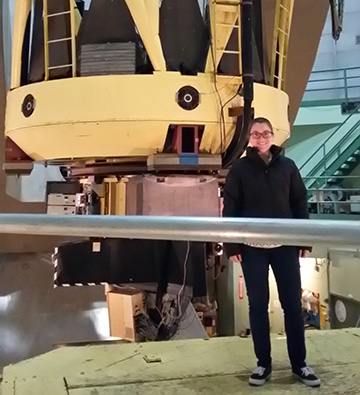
<point>304,253</point>
<point>236,258</point>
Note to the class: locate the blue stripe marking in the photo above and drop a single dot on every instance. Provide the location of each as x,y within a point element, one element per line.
<point>189,159</point>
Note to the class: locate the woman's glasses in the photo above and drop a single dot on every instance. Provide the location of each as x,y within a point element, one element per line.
<point>265,135</point>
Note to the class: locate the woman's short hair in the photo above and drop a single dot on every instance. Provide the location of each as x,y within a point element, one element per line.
<point>260,120</point>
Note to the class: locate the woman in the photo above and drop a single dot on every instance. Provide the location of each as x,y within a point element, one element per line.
<point>265,184</point>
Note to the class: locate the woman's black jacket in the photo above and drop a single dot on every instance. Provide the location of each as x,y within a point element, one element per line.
<point>256,189</point>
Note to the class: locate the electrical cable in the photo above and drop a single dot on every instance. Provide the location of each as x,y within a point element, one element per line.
<point>184,282</point>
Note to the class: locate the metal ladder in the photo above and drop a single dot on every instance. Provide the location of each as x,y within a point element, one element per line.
<point>283,17</point>
<point>48,43</point>
<point>225,17</point>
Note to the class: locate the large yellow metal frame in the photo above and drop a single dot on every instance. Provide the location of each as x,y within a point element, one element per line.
<point>47,43</point>
<point>118,116</point>
<point>129,115</point>
<point>22,10</point>
<point>283,16</point>
<point>225,16</point>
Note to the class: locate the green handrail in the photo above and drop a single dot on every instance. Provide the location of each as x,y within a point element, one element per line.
<point>335,147</point>
<point>329,137</point>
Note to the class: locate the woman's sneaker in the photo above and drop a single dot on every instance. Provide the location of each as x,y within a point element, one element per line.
<point>307,376</point>
<point>260,375</point>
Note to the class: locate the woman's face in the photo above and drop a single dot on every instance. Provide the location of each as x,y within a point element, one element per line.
<point>261,137</point>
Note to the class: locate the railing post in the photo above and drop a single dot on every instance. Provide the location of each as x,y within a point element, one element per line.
<point>317,194</point>
<point>324,159</point>
<point>345,86</point>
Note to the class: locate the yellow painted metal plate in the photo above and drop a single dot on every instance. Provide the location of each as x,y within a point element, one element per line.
<point>129,115</point>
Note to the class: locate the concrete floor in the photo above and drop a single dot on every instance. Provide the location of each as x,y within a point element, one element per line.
<point>185,367</point>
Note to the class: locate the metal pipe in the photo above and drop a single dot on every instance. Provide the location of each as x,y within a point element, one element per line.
<point>331,89</point>
<point>335,79</point>
<point>333,176</point>
<point>333,70</point>
<point>334,189</point>
<point>346,87</point>
<point>231,230</point>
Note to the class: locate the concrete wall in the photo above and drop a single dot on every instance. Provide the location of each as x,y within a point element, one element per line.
<point>326,115</point>
<point>305,140</point>
<point>312,128</point>
<point>345,274</point>
<point>344,52</point>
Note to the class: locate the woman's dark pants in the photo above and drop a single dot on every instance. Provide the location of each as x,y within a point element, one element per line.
<point>286,268</point>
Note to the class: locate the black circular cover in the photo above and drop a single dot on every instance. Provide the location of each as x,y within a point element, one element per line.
<point>28,105</point>
<point>188,98</point>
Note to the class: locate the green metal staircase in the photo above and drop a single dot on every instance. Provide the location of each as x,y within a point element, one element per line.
<point>336,157</point>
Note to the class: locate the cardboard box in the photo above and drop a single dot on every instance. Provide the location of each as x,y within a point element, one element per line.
<point>123,305</point>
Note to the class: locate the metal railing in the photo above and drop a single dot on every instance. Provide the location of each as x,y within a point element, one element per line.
<point>335,148</point>
<point>231,230</point>
<point>333,85</point>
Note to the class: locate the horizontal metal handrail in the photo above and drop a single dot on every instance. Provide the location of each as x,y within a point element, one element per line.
<point>334,189</point>
<point>331,89</point>
<point>336,78</point>
<point>334,75</point>
<point>335,70</point>
<point>332,201</point>
<point>296,232</point>
<point>333,176</point>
